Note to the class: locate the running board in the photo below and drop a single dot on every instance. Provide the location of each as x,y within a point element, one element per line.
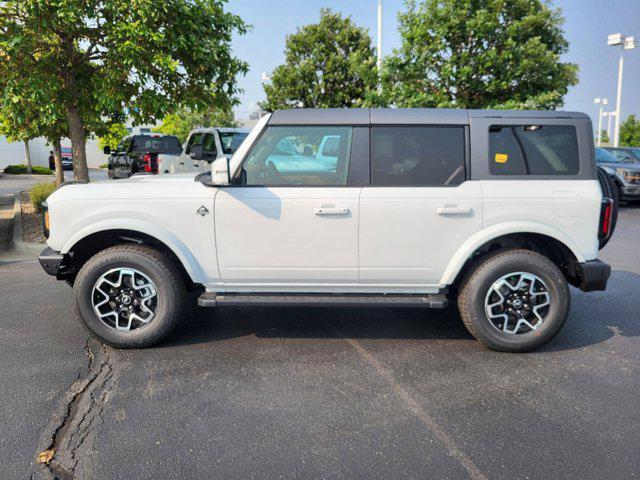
<point>212,299</point>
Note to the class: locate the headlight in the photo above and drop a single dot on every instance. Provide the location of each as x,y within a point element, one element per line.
<point>45,219</point>
<point>630,176</point>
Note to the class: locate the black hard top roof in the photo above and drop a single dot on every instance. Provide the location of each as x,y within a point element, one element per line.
<point>391,116</point>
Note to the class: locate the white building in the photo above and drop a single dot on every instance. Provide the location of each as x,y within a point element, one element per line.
<point>13,153</point>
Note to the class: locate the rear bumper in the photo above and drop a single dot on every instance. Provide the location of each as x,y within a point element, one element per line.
<point>592,275</point>
<point>52,262</point>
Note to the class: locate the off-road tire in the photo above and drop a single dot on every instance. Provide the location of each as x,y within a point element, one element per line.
<point>161,270</point>
<point>479,279</point>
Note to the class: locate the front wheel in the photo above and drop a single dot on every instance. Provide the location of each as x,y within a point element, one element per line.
<point>129,296</point>
<point>514,301</point>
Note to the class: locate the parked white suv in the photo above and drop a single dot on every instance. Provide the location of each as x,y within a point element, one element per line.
<point>497,210</point>
<point>203,146</point>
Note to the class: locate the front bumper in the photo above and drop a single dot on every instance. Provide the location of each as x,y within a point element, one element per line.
<point>591,276</point>
<point>629,191</point>
<point>53,262</point>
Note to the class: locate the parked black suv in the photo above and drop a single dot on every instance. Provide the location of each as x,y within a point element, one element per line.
<point>139,154</point>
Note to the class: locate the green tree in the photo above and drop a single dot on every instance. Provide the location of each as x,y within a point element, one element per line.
<point>143,57</point>
<point>630,132</point>
<point>479,54</point>
<point>327,64</point>
<point>604,136</point>
<point>114,133</point>
<point>181,122</point>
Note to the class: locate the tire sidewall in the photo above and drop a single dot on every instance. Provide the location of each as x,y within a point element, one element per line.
<point>553,321</point>
<point>163,319</point>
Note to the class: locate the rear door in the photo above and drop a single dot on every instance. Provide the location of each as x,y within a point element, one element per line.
<point>292,222</point>
<point>419,208</point>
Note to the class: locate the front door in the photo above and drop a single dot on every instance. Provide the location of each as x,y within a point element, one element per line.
<point>292,219</point>
<point>419,209</point>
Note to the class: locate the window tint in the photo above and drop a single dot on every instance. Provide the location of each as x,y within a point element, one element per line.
<point>146,143</point>
<point>292,156</point>
<point>417,156</point>
<point>533,150</point>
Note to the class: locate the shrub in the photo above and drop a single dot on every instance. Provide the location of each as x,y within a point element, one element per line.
<point>104,165</point>
<point>22,169</point>
<point>39,193</point>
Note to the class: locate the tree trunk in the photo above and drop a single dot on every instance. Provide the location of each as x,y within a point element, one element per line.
<point>57,159</point>
<point>77,133</point>
<point>27,155</point>
<point>78,143</point>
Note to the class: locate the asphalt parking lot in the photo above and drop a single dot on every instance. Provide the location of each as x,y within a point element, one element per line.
<point>323,393</point>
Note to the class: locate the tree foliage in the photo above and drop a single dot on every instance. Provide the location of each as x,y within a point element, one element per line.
<point>327,64</point>
<point>184,120</point>
<point>112,135</point>
<point>144,57</point>
<point>479,54</point>
<point>604,136</point>
<point>630,132</point>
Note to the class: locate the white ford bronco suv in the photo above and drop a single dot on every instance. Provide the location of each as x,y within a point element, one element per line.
<point>498,211</point>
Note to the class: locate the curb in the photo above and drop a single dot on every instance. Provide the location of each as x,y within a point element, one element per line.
<point>17,249</point>
<point>17,219</point>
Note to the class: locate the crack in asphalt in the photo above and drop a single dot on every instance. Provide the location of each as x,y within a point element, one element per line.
<point>79,414</point>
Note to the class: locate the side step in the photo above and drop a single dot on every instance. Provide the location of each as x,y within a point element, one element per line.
<point>212,299</point>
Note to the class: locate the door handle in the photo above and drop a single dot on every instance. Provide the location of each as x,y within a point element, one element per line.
<point>453,210</point>
<point>330,211</point>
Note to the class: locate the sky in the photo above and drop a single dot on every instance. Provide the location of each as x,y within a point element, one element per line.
<point>587,24</point>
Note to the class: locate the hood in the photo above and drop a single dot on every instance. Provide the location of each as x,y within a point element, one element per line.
<point>155,179</point>
<point>630,166</point>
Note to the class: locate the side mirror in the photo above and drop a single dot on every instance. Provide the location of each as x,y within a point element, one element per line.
<point>197,152</point>
<point>107,150</point>
<point>220,171</point>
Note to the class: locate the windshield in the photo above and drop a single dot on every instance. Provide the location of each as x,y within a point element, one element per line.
<point>231,141</point>
<point>148,143</point>
<point>602,156</point>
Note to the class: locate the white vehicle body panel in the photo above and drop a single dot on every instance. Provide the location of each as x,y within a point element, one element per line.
<point>280,239</point>
<point>403,231</point>
<point>287,235</point>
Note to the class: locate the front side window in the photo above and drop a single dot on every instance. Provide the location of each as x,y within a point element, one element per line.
<point>195,139</point>
<point>533,150</point>
<point>294,156</point>
<point>420,156</point>
<point>209,145</point>
<point>231,141</point>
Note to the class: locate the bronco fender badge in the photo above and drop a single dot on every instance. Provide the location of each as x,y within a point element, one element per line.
<point>202,211</point>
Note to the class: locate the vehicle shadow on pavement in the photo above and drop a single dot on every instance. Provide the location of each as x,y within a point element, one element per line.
<point>594,318</point>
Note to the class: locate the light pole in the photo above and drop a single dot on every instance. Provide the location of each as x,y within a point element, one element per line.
<point>625,43</point>
<point>609,115</point>
<point>379,62</point>
<point>602,102</point>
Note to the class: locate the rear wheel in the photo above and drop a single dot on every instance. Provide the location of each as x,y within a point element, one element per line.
<point>514,301</point>
<point>129,296</point>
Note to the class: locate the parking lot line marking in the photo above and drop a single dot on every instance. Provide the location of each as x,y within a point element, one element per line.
<point>426,419</point>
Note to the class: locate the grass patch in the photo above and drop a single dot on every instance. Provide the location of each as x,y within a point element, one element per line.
<point>39,193</point>
<point>22,169</point>
<point>104,165</point>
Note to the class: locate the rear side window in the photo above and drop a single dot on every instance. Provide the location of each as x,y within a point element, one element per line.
<point>420,156</point>
<point>533,150</point>
<point>146,143</point>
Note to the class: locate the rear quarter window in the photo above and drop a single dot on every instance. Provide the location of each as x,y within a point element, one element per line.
<point>533,150</point>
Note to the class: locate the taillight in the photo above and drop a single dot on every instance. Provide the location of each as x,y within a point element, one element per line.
<point>146,162</point>
<point>606,218</point>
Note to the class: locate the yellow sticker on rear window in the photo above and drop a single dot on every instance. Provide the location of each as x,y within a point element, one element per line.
<point>501,158</point>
